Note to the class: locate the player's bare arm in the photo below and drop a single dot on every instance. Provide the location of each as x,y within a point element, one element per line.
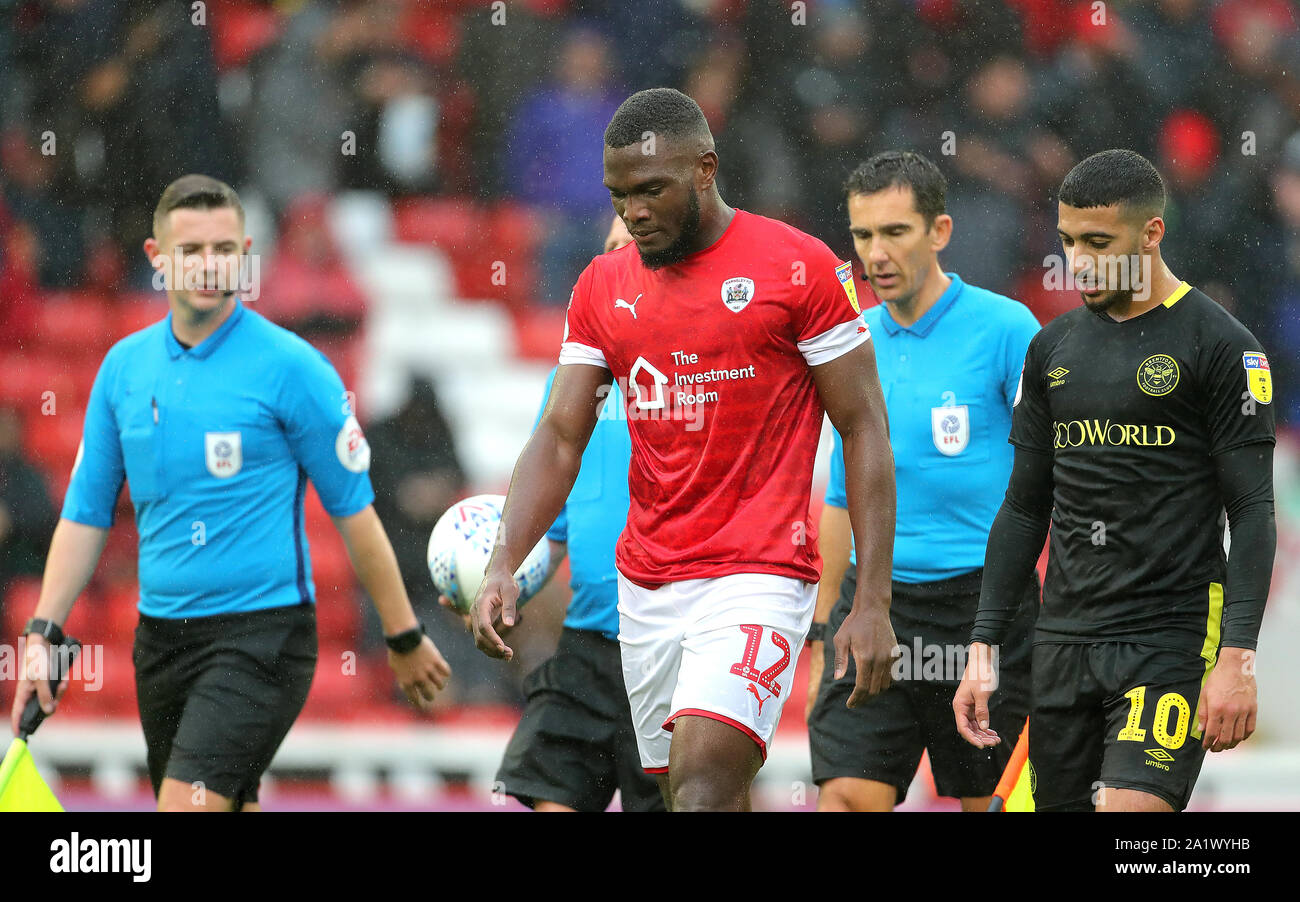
<point>74,551</point>
<point>1227,707</point>
<point>422,671</point>
<point>1017,536</point>
<point>849,388</point>
<point>834,535</point>
<point>540,485</point>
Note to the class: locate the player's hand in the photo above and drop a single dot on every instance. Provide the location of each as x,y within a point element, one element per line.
<point>868,636</point>
<point>422,673</point>
<point>971,703</point>
<point>36,679</point>
<point>493,610</point>
<point>816,665</point>
<point>1225,714</point>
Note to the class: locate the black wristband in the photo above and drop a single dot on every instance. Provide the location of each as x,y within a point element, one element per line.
<point>407,641</point>
<point>817,632</point>
<point>52,632</point>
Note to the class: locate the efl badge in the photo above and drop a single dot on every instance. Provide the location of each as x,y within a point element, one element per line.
<point>1258,378</point>
<point>737,293</point>
<point>224,453</point>
<point>1158,375</point>
<point>352,448</point>
<point>844,272</point>
<point>951,429</point>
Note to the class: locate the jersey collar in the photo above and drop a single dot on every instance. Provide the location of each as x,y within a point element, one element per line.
<point>204,348</point>
<point>925,324</point>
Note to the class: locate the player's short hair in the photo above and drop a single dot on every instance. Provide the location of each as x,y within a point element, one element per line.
<point>201,192</point>
<point>903,168</point>
<point>1115,177</point>
<point>664,112</point>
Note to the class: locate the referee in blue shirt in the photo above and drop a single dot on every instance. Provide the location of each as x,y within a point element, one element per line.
<point>216,419</point>
<point>949,356</point>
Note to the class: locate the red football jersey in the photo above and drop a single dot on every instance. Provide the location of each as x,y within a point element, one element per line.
<point>712,355</point>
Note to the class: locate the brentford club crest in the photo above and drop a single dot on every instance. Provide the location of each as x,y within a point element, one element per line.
<point>737,293</point>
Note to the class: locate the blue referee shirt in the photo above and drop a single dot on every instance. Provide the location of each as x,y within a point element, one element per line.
<point>950,381</point>
<point>216,444</point>
<point>593,518</point>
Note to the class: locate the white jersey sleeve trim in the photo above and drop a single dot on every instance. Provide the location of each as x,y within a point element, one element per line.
<point>574,352</point>
<point>835,341</point>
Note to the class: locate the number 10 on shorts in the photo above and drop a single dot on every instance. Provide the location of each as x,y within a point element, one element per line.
<point>746,668</point>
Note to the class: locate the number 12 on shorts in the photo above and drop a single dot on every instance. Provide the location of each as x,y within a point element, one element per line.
<point>746,668</point>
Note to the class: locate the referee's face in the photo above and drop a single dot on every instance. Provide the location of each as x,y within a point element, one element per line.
<point>896,247</point>
<point>1103,250</point>
<point>199,254</point>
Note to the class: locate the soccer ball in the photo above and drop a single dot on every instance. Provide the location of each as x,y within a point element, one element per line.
<point>461,545</point>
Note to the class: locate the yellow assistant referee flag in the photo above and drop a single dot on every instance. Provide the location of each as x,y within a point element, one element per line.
<point>21,787</point>
<point>1015,791</point>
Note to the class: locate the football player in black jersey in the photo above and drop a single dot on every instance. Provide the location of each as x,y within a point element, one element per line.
<point>1142,417</point>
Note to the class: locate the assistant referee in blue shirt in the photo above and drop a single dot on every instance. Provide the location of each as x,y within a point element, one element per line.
<point>216,419</point>
<point>949,356</point>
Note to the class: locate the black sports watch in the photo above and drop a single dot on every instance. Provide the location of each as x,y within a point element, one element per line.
<point>817,632</point>
<point>50,630</point>
<point>407,641</point>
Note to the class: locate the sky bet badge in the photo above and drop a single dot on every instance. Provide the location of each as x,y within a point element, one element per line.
<point>844,272</point>
<point>1258,378</point>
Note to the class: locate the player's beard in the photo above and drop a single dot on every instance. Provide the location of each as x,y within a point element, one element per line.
<point>1107,300</point>
<point>684,245</point>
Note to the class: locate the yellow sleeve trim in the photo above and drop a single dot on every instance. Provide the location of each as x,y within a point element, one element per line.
<point>1174,298</point>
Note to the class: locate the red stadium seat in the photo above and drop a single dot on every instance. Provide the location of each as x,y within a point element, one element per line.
<point>121,613</point>
<point>454,225</point>
<point>538,332</point>
<point>338,615</point>
<point>136,313</point>
<point>52,441</point>
<point>77,323</point>
<point>19,603</point>
<point>347,684</point>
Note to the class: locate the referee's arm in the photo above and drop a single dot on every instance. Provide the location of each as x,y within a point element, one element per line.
<point>78,541</point>
<point>328,444</point>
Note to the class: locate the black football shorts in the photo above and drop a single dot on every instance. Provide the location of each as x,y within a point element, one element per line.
<point>882,739</point>
<point>218,694</point>
<point>1114,715</point>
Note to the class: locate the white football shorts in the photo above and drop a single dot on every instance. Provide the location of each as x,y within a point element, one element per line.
<point>723,648</point>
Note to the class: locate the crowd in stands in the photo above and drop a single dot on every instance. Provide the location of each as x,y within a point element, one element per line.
<point>482,122</point>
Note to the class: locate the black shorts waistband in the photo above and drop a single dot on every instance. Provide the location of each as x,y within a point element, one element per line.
<point>190,627</point>
<point>962,584</point>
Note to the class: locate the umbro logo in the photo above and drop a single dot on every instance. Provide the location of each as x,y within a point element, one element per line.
<point>619,302</point>
<point>1057,376</point>
<point>1159,754</point>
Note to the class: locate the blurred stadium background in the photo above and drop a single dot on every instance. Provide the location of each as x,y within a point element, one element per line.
<point>422,182</point>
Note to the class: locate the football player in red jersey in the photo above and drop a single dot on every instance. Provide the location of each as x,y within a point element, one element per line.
<point>730,334</point>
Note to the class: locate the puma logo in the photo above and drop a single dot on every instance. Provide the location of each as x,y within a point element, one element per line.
<point>754,691</point>
<point>619,302</point>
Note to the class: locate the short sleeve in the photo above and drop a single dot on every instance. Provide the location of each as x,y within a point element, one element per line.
<point>581,343</point>
<point>559,530</point>
<point>1238,387</point>
<point>829,323</point>
<point>1031,420</point>
<point>324,434</point>
<point>98,472</point>
<point>836,493</point>
<point>1021,328</point>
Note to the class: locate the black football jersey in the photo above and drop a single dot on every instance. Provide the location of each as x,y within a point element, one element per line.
<point>1132,413</point>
